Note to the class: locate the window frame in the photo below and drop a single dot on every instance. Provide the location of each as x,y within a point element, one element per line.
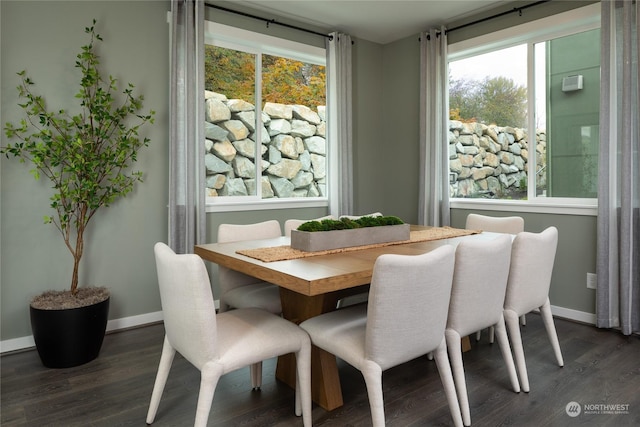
<point>560,25</point>
<point>260,44</point>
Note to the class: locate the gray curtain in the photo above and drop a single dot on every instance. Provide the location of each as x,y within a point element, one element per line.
<point>433,208</point>
<point>186,128</point>
<point>340,120</point>
<point>618,258</point>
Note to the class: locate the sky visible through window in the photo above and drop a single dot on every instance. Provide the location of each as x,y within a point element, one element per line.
<point>510,63</point>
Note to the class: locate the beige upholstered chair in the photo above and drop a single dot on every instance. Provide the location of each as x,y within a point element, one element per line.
<point>379,336</point>
<point>360,216</point>
<point>532,259</point>
<point>240,290</point>
<point>359,297</point>
<point>477,299</point>
<point>218,344</point>
<point>506,224</point>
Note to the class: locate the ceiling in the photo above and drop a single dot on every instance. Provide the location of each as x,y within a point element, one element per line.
<point>380,21</point>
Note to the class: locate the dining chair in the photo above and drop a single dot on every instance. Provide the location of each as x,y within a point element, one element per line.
<point>377,336</point>
<point>532,259</point>
<point>238,290</point>
<point>219,343</point>
<point>375,214</point>
<point>358,297</point>
<point>477,298</point>
<point>505,224</point>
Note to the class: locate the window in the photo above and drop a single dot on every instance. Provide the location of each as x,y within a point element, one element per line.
<point>265,121</point>
<point>524,111</point>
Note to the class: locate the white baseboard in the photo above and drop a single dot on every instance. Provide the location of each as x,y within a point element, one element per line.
<point>570,314</point>
<point>143,319</point>
<point>17,344</point>
<point>128,322</point>
<point>24,343</point>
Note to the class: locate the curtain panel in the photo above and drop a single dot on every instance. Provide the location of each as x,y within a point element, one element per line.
<point>340,124</point>
<point>186,127</point>
<point>618,253</point>
<point>433,199</point>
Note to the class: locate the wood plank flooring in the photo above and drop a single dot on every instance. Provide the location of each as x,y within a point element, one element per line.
<point>601,367</point>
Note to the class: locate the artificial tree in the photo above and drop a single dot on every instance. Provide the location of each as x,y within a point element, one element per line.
<point>87,156</point>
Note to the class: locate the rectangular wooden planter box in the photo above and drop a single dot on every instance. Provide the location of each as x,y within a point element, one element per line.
<point>326,240</point>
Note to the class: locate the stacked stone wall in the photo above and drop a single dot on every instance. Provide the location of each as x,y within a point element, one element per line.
<point>491,160</point>
<point>484,160</point>
<point>292,151</point>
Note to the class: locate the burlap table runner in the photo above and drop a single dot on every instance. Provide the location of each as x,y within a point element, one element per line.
<point>283,253</point>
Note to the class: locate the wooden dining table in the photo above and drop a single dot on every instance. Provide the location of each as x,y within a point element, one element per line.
<point>312,285</point>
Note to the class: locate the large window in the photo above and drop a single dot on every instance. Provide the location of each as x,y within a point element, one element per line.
<point>266,140</point>
<point>524,110</point>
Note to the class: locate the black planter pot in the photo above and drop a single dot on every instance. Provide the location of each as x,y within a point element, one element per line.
<point>72,337</point>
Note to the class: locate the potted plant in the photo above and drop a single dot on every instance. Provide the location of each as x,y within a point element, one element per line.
<point>87,157</point>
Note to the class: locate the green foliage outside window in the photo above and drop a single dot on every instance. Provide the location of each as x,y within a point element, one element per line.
<point>496,100</point>
<point>284,80</point>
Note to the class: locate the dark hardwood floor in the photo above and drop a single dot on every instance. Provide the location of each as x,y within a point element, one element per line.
<point>601,368</point>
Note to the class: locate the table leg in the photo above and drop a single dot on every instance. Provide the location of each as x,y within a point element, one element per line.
<point>325,382</point>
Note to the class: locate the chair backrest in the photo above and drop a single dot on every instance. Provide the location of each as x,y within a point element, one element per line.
<point>293,224</point>
<point>230,279</point>
<point>506,224</point>
<point>408,305</point>
<point>532,259</point>
<point>239,232</point>
<point>479,284</point>
<point>374,214</point>
<point>187,304</point>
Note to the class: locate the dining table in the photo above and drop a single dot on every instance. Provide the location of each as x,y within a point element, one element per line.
<point>312,284</point>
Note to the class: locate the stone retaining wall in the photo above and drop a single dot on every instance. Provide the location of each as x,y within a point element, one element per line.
<point>483,160</point>
<point>292,154</point>
<point>491,160</point>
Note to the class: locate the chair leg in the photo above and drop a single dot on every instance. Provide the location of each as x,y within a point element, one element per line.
<point>503,342</point>
<point>303,384</point>
<point>209,377</point>
<point>492,333</point>
<point>523,320</point>
<point>168,353</point>
<point>513,326</point>
<point>444,370</point>
<point>455,357</point>
<point>373,379</point>
<point>256,375</point>
<point>547,319</point>
<point>478,335</point>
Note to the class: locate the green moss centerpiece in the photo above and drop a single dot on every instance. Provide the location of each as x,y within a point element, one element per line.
<point>313,236</point>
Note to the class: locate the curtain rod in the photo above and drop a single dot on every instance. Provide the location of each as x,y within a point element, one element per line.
<point>268,21</point>
<point>498,15</point>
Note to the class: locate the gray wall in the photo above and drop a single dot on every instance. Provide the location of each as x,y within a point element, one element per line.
<point>119,255</point>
